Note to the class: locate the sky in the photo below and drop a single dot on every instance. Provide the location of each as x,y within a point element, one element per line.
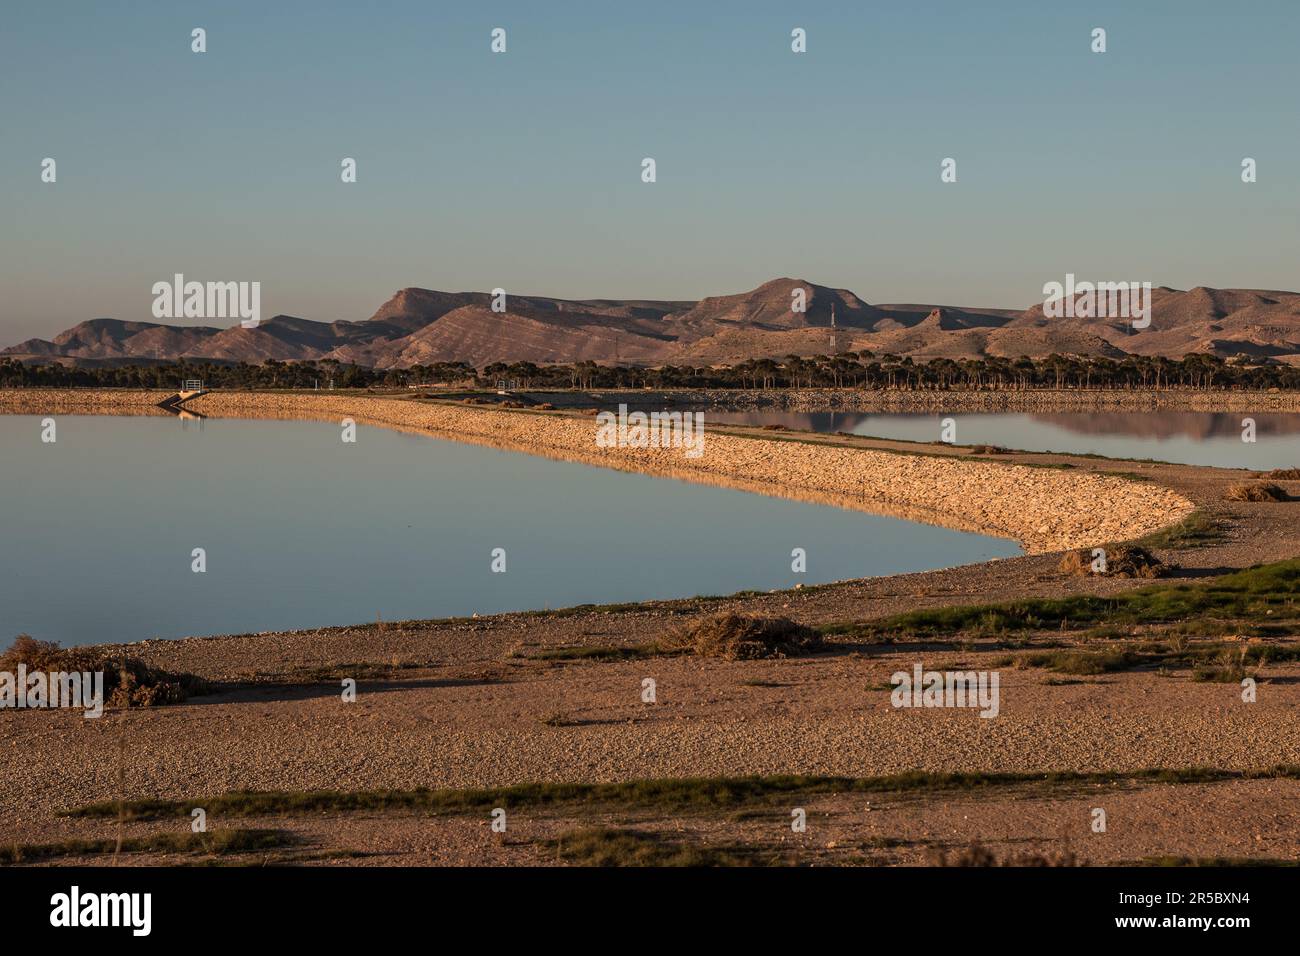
<point>522,170</point>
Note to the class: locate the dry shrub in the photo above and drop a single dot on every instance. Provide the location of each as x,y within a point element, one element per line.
<point>989,450</point>
<point>977,855</point>
<point>775,428</point>
<point>1122,561</point>
<point>546,407</point>
<point>739,637</point>
<point>1284,474</point>
<point>128,681</point>
<point>1260,491</point>
<point>1227,667</point>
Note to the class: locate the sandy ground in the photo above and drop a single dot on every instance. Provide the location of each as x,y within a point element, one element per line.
<point>468,703</point>
<point>1240,820</point>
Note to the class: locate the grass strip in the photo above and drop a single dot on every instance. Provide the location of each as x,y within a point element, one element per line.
<point>700,793</point>
<point>218,842</point>
<point>1252,593</point>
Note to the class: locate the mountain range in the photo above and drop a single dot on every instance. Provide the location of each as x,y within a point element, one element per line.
<point>422,326</point>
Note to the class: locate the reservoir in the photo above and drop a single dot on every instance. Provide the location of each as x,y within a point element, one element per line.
<point>298,529</point>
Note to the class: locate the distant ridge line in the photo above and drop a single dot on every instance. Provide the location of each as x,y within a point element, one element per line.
<point>419,326</point>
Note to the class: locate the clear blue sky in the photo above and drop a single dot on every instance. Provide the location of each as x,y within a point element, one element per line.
<point>522,170</point>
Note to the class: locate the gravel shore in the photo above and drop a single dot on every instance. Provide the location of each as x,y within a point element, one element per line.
<point>1044,509</point>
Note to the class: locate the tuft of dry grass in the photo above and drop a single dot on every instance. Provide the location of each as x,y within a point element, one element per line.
<point>1122,561</point>
<point>128,681</point>
<point>1260,491</point>
<point>977,855</point>
<point>739,637</point>
<point>1283,474</point>
<point>609,846</point>
<point>1227,667</point>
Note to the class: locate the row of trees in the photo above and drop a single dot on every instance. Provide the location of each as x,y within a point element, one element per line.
<point>861,370</point>
<point>325,373</point>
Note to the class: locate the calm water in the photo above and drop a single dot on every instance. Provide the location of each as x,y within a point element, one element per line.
<point>302,530</point>
<point>1192,438</point>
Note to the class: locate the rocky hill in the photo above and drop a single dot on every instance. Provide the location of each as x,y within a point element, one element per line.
<point>421,326</point>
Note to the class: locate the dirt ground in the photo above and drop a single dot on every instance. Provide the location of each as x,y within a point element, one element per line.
<point>484,703</point>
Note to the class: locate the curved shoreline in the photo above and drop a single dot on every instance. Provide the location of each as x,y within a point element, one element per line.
<point>1044,510</point>
<point>514,698</point>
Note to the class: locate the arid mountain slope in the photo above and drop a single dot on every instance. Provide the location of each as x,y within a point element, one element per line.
<point>422,326</point>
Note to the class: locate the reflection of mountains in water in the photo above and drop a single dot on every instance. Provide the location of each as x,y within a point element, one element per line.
<point>825,422</point>
<point>1195,425</point>
<point>1198,426</point>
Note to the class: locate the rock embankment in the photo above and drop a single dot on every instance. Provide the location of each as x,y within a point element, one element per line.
<point>78,401</point>
<point>1044,509</point>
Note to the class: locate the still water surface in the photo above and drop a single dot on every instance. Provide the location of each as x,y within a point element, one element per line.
<point>301,530</point>
<point>1190,438</point>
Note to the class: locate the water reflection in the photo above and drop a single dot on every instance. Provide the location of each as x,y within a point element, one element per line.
<point>301,530</point>
<point>1195,438</point>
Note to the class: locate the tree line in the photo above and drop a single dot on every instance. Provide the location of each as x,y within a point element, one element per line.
<point>853,370</point>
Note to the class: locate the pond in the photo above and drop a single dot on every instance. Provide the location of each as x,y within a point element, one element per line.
<point>300,530</point>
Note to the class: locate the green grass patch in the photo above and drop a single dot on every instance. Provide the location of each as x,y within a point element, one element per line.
<point>1127,475</point>
<point>1270,653</point>
<point>1085,663</point>
<point>675,794</point>
<point>1219,674</point>
<point>1250,594</point>
<point>217,843</point>
<point>1219,662</point>
<point>1196,530</point>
